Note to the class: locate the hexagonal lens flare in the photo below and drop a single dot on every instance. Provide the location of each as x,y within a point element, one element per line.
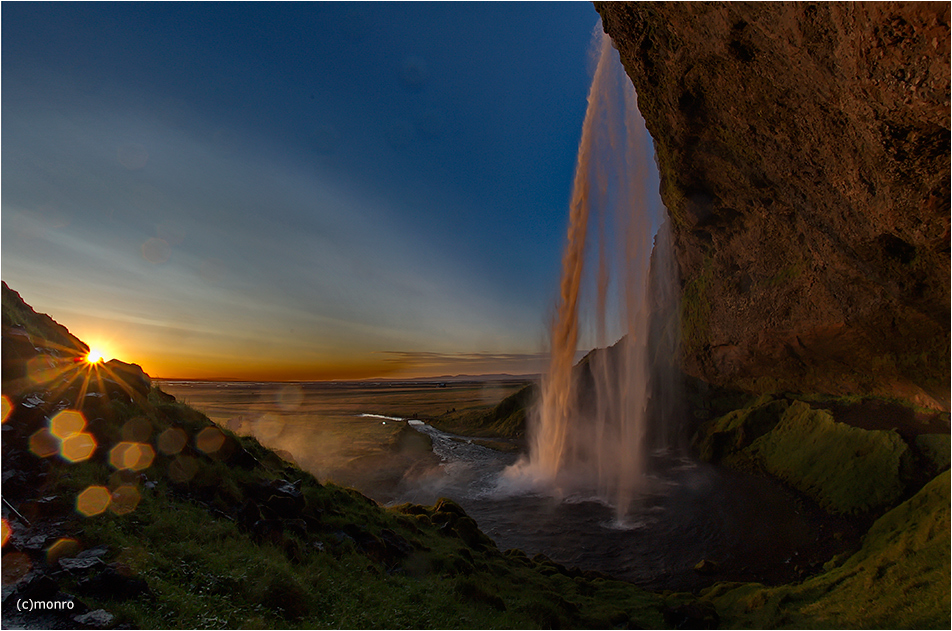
<point>62,547</point>
<point>78,447</point>
<point>67,423</point>
<point>94,500</point>
<point>125,499</point>
<point>183,469</point>
<point>133,456</point>
<point>172,441</point>
<point>210,440</point>
<point>43,443</point>
<point>137,430</point>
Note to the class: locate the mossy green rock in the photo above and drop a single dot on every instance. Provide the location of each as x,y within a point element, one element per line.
<point>737,429</point>
<point>847,470</point>
<point>937,448</point>
<point>898,579</point>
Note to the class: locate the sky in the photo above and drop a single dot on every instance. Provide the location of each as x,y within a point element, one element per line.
<point>293,190</point>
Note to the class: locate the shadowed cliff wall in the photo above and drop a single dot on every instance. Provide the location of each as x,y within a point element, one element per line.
<point>804,159</point>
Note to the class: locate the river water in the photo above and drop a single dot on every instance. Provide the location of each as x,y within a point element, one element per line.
<point>686,511</point>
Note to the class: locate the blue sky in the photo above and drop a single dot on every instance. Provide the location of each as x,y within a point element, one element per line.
<point>293,190</point>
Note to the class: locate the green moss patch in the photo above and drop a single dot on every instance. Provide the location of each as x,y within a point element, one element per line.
<point>506,420</point>
<point>847,470</point>
<point>898,579</point>
<point>736,430</point>
<point>935,448</point>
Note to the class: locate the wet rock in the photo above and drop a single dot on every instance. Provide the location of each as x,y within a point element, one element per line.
<point>248,514</point>
<point>296,527</point>
<point>77,565</point>
<point>397,543</point>
<point>268,531</point>
<point>707,567</point>
<point>96,619</point>
<point>98,552</point>
<point>367,543</point>
<point>33,400</point>
<point>339,539</point>
<point>279,497</point>
<point>36,586</point>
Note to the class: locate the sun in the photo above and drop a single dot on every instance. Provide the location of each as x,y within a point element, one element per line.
<point>95,356</point>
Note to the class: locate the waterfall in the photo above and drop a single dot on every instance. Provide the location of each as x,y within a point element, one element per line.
<point>588,432</point>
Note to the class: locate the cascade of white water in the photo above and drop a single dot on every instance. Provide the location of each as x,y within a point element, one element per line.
<point>589,435</point>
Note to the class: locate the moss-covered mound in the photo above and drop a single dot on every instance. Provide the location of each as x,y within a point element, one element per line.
<point>935,449</point>
<point>728,435</point>
<point>506,420</point>
<point>846,470</point>
<point>899,578</point>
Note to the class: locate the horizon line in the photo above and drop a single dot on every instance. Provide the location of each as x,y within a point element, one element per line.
<point>435,378</point>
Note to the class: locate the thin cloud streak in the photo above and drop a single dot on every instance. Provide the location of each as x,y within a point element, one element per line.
<point>425,362</point>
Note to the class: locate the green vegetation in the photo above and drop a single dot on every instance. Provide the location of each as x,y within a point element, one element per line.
<point>250,540</point>
<point>728,435</point>
<point>18,314</point>
<point>899,578</point>
<point>936,449</point>
<point>213,530</point>
<point>846,470</point>
<point>668,167</point>
<point>506,420</point>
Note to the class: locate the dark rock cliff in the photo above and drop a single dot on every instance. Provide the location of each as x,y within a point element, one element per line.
<point>804,159</point>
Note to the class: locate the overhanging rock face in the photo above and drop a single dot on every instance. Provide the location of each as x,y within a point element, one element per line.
<point>804,159</point>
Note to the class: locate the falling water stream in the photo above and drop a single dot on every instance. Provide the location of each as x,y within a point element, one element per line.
<point>600,446</point>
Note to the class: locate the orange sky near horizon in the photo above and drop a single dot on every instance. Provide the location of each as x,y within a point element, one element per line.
<point>162,358</point>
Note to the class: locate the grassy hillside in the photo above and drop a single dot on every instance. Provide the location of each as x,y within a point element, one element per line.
<point>899,579</point>
<point>137,508</point>
<point>141,512</point>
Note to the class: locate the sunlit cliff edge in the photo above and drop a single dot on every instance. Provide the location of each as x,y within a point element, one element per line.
<point>804,159</point>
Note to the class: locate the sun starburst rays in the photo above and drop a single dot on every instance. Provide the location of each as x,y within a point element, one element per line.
<point>68,370</point>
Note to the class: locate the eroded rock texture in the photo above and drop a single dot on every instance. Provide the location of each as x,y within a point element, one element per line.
<point>804,158</point>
